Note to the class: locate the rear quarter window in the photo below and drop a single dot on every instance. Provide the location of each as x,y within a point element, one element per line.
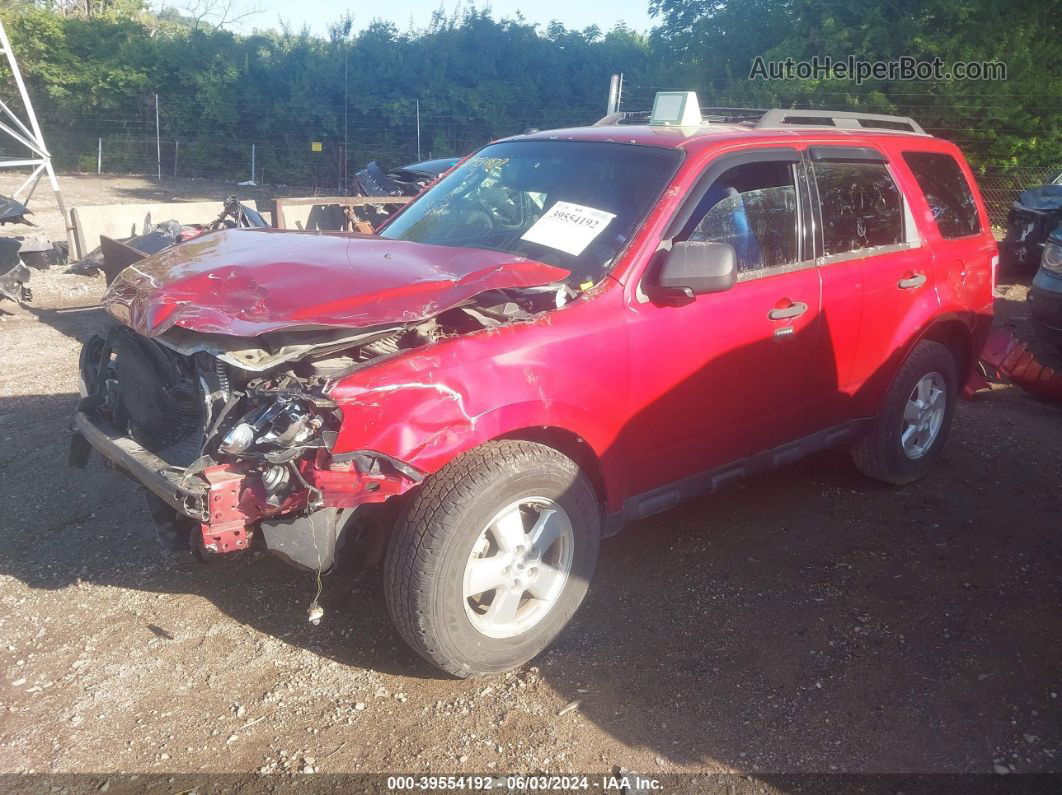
<point>947,192</point>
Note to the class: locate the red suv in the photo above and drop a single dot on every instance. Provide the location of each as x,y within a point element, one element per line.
<point>570,330</point>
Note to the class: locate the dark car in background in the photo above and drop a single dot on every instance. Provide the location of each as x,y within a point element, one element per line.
<point>1035,214</point>
<point>408,180</point>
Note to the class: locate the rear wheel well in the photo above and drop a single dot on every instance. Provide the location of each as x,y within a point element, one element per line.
<point>571,445</point>
<point>953,335</point>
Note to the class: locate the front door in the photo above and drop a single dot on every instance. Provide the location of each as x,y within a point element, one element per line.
<point>725,375</point>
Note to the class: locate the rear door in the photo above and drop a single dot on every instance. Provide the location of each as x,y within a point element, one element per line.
<point>877,274</point>
<point>958,232</point>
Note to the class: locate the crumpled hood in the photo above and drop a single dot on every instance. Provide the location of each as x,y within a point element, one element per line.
<point>246,282</point>
<point>1044,197</point>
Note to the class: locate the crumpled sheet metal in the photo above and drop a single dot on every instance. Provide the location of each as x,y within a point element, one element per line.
<point>13,284</point>
<point>13,211</point>
<point>1013,359</point>
<point>248,282</point>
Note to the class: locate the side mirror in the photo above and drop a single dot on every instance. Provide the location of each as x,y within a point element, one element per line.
<point>697,268</point>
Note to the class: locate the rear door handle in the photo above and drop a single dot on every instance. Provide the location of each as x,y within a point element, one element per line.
<point>909,282</point>
<point>795,309</point>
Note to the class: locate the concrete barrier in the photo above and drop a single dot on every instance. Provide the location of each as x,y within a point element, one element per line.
<point>125,220</point>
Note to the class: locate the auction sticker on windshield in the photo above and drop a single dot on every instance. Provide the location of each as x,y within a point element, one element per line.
<point>568,227</point>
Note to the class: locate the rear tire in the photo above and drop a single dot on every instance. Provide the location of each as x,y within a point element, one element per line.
<point>467,520</point>
<point>908,434</point>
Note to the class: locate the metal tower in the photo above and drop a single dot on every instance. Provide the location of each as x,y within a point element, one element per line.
<point>30,137</point>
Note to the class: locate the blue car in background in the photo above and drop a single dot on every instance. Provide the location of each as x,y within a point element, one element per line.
<point>1031,220</point>
<point>1045,295</point>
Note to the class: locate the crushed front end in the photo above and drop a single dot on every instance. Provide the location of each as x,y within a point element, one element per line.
<point>213,388</point>
<point>227,455</point>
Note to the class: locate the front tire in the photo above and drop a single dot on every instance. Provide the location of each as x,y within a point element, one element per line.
<point>908,434</point>
<point>492,557</point>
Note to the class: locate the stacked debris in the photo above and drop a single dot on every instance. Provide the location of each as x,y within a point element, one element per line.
<point>18,253</point>
<point>14,275</point>
<point>113,256</point>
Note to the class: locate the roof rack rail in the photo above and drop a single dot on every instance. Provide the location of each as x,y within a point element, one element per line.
<point>795,117</point>
<point>778,118</point>
<point>731,115</point>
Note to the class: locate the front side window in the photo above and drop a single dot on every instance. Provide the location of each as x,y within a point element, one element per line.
<point>753,207</point>
<point>947,193</point>
<point>573,204</point>
<point>861,207</point>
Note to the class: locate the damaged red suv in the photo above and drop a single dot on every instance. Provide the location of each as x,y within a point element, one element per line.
<point>569,331</point>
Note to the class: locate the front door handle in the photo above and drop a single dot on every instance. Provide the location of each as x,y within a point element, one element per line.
<point>911,281</point>
<point>795,309</point>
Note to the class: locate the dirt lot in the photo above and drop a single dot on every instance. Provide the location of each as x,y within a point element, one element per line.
<point>811,620</point>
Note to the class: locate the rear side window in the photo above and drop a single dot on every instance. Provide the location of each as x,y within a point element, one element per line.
<point>861,206</point>
<point>946,191</point>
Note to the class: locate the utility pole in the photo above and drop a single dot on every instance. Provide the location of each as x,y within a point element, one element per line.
<point>99,157</point>
<point>613,95</point>
<point>418,130</point>
<point>346,123</point>
<point>158,139</point>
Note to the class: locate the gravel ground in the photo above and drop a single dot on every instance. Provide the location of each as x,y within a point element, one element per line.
<point>807,621</point>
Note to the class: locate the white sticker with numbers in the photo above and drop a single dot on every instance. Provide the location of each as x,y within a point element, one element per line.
<point>568,227</point>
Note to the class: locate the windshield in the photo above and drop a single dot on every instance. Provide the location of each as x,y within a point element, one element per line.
<point>573,204</point>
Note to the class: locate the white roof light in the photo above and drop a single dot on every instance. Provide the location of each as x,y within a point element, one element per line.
<point>676,109</point>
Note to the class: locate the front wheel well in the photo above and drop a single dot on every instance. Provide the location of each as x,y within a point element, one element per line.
<point>369,528</point>
<point>571,445</point>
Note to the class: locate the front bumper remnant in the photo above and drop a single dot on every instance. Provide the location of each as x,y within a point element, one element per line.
<point>212,498</point>
<point>142,465</point>
<point>229,503</point>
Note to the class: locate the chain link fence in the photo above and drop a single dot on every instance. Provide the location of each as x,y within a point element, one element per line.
<point>322,169</point>
<point>295,153</point>
<point>1000,188</point>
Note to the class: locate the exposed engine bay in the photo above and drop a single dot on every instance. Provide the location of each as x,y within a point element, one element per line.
<point>230,442</point>
<point>332,353</point>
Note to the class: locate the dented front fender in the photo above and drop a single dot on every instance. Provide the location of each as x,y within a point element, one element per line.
<point>433,403</point>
